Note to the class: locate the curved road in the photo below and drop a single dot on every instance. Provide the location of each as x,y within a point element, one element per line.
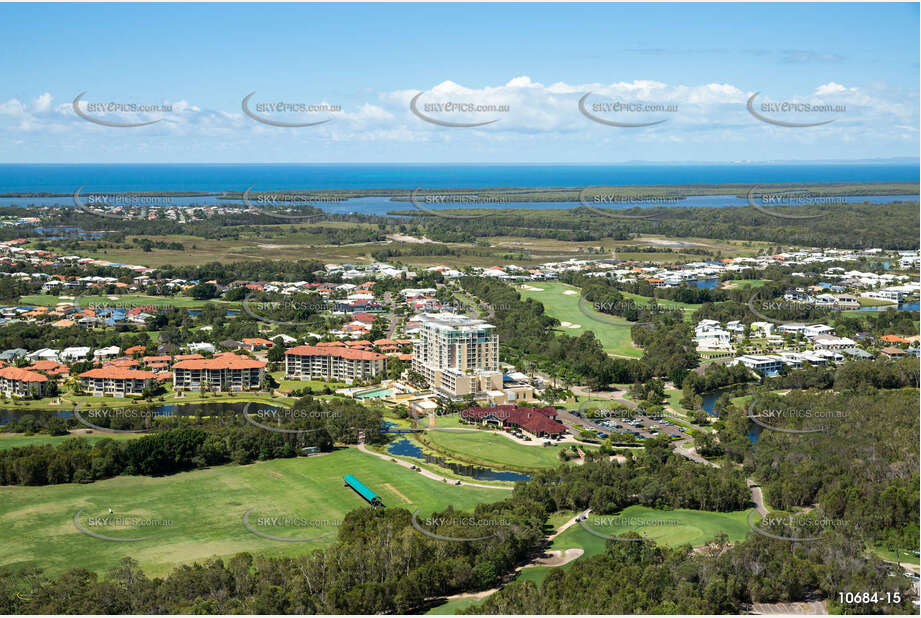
<point>753,487</point>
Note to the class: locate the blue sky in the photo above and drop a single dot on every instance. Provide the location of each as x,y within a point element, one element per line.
<point>696,64</point>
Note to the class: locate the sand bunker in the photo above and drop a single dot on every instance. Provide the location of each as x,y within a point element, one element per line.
<point>574,326</point>
<point>565,324</point>
<point>570,292</point>
<point>560,557</point>
<point>531,288</point>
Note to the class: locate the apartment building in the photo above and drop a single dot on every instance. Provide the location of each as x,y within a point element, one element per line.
<point>116,381</point>
<point>306,362</point>
<point>225,372</point>
<point>15,382</point>
<point>457,355</point>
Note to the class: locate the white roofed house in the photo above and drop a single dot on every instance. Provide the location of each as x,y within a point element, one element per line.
<point>44,354</point>
<point>106,353</point>
<point>817,329</point>
<point>72,355</point>
<point>829,342</point>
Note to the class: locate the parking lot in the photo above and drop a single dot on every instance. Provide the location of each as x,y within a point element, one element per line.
<point>632,422</point>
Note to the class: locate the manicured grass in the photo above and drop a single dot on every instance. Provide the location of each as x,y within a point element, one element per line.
<point>492,450</point>
<point>742,283</point>
<point>448,420</point>
<point>674,398</point>
<point>615,338</point>
<point>449,608</point>
<point>8,442</point>
<point>206,508</point>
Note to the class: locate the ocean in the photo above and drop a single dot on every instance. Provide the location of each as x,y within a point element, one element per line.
<point>65,178</point>
<point>216,178</point>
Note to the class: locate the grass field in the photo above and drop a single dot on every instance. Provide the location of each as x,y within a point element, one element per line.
<point>493,450</point>
<point>615,338</point>
<point>206,508</point>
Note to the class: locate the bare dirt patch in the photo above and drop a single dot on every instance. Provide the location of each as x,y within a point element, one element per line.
<point>398,493</point>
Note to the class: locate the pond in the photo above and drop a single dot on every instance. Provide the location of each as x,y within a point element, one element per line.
<point>405,448</point>
<point>709,401</point>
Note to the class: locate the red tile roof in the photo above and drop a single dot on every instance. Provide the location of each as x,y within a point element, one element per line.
<point>44,365</point>
<point>22,375</point>
<point>231,361</point>
<point>258,341</point>
<point>309,350</point>
<point>534,420</point>
<point>118,373</point>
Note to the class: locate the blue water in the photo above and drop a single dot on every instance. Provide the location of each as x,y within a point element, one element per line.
<point>405,448</point>
<point>237,177</point>
<point>707,284</point>
<point>709,402</point>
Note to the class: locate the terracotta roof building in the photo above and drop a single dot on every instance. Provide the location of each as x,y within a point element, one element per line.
<point>117,381</point>
<point>15,382</point>
<point>226,372</point>
<point>540,422</point>
<point>306,362</point>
